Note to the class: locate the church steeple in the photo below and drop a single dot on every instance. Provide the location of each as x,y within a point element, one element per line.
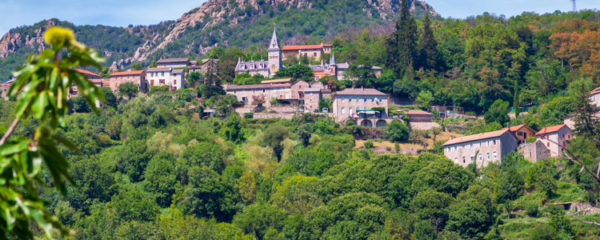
<point>274,42</point>
<point>332,59</point>
<point>274,55</point>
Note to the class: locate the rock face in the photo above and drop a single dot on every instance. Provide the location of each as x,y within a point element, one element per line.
<point>214,17</point>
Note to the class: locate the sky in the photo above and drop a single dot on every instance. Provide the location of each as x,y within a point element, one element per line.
<point>14,13</point>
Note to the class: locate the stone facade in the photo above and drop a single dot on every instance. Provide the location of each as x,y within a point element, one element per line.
<point>348,103</point>
<point>207,66</point>
<point>4,88</point>
<point>555,138</point>
<point>535,151</point>
<point>311,99</point>
<point>481,149</point>
<point>174,78</point>
<point>138,78</point>
<point>249,94</point>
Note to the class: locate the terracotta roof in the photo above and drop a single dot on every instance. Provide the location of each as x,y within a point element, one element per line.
<point>255,86</point>
<point>476,137</point>
<point>137,72</point>
<point>516,128</point>
<point>360,92</point>
<point>595,91</point>
<point>283,80</point>
<point>159,69</point>
<point>301,47</point>
<point>418,112</point>
<point>173,60</point>
<point>83,71</point>
<point>551,129</point>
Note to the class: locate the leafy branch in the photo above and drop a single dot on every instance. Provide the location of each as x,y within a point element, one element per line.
<point>41,88</point>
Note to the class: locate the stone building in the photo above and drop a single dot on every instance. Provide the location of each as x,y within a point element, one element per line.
<point>4,87</point>
<point>207,66</point>
<point>281,90</point>
<point>353,103</point>
<point>266,68</point>
<point>481,149</point>
<point>535,151</point>
<point>522,132</point>
<point>166,76</point>
<point>173,63</point>
<point>137,77</point>
<point>555,138</point>
<point>312,52</point>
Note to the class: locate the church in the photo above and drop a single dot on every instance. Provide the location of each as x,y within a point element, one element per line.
<point>266,68</point>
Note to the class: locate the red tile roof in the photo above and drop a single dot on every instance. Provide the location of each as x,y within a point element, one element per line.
<point>551,129</point>
<point>301,47</point>
<point>128,73</point>
<point>516,128</point>
<point>595,91</point>
<point>83,71</point>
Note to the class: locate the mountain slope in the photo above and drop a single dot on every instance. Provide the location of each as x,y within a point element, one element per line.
<point>242,23</point>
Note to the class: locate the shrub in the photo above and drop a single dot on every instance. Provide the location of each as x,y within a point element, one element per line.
<point>248,115</point>
<point>368,144</point>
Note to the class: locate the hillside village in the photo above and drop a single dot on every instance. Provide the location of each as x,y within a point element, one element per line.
<point>482,128</point>
<point>366,107</point>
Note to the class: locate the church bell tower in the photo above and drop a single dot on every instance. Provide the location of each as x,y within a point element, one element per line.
<point>274,55</point>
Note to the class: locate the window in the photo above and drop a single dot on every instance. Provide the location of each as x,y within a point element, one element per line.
<point>343,110</point>
<point>349,99</point>
<point>175,82</point>
<point>472,158</point>
<point>315,54</point>
<point>480,157</point>
<point>463,158</point>
<point>380,99</point>
<point>495,157</point>
<point>494,141</point>
<point>488,156</point>
<point>372,99</point>
<point>548,144</point>
<point>365,99</point>
<point>350,111</point>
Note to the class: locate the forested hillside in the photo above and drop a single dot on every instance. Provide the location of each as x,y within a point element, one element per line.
<point>149,168</point>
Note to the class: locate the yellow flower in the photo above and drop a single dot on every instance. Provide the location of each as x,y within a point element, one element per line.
<point>59,36</point>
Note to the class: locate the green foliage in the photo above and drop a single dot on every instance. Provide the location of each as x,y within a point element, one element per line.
<point>296,72</point>
<point>273,137</point>
<point>498,112</point>
<point>397,131</point>
<point>128,90</point>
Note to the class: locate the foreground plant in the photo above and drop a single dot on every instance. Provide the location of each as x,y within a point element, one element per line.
<point>41,87</point>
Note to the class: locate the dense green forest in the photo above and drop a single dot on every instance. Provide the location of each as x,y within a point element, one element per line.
<point>149,168</point>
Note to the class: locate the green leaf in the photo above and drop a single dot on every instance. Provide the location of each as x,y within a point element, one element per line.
<point>39,106</point>
<point>13,148</point>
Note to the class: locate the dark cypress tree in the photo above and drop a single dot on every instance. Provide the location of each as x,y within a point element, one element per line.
<point>429,57</point>
<point>402,44</point>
